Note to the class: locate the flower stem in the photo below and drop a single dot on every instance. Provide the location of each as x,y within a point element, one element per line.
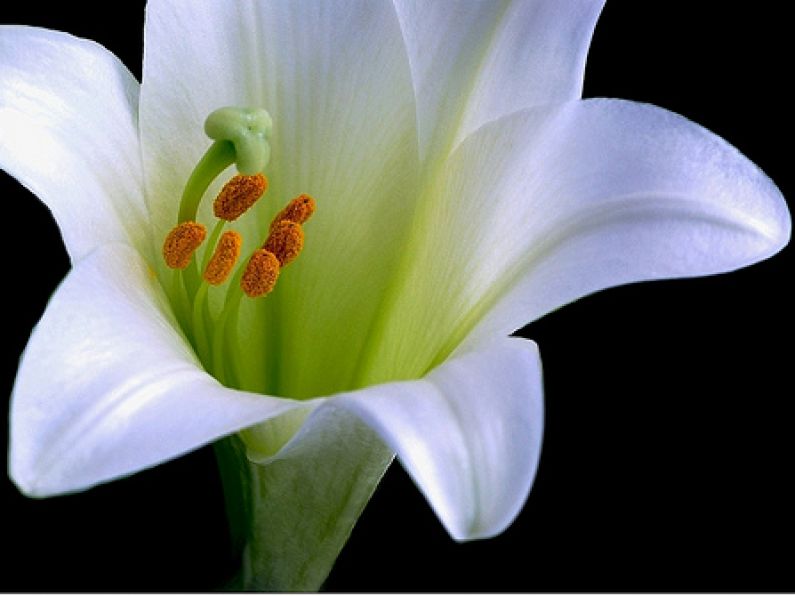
<point>292,515</point>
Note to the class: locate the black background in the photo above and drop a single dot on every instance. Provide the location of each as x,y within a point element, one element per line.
<point>668,449</point>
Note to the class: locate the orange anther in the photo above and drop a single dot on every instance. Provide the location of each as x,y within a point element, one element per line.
<point>182,242</point>
<point>261,274</point>
<point>224,258</point>
<point>298,210</point>
<point>285,241</point>
<point>238,195</point>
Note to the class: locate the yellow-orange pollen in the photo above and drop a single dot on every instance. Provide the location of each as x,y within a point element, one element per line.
<point>285,241</point>
<point>299,210</point>
<point>261,274</point>
<point>239,195</point>
<point>282,246</point>
<point>182,242</point>
<point>224,258</point>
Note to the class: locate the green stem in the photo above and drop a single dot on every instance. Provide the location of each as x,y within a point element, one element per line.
<point>199,327</point>
<point>192,281</point>
<point>211,242</point>
<point>232,343</point>
<point>296,512</point>
<point>219,156</point>
<point>230,454</point>
<point>230,308</point>
<point>182,306</point>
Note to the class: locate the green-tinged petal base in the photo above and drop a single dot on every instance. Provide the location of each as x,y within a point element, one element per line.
<point>292,515</point>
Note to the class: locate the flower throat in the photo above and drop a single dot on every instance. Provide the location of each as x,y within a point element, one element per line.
<point>240,137</point>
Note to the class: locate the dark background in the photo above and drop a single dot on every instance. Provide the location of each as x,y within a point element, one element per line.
<point>668,452</point>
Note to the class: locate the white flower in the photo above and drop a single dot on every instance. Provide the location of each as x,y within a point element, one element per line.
<point>463,190</point>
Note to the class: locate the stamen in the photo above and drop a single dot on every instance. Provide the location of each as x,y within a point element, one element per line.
<point>285,241</point>
<point>182,242</point>
<point>299,210</point>
<point>239,195</point>
<point>261,274</point>
<point>224,258</point>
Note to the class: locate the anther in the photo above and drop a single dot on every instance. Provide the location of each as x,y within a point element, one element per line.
<point>261,274</point>
<point>285,241</point>
<point>299,210</point>
<point>224,258</point>
<point>239,195</point>
<point>182,242</point>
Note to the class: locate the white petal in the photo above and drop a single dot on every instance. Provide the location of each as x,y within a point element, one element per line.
<point>335,78</point>
<point>469,433</point>
<point>550,204</point>
<point>473,62</point>
<point>69,132</point>
<point>636,193</point>
<point>107,387</point>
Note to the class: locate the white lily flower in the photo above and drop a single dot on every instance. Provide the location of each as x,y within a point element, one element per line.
<point>459,196</point>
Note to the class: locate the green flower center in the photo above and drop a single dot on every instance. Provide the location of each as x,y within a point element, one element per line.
<point>241,138</point>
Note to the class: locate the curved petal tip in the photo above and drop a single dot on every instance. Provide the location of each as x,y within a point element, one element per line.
<point>469,434</point>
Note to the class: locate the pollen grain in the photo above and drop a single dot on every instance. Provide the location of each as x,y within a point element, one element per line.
<point>299,210</point>
<point>239,195</point>
<point>224,258</point>
<point>261,274</point>
<point>182,242</point>
<point>285,241</point>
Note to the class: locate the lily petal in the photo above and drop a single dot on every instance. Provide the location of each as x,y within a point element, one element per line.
<point>642,194</point>
<point>473,62</point>
<point>107,387</point>
<point>323,91</point>
<point>68,132</point>
<point>336,80</point>
<point>469,433</point>
<point>547,205</point>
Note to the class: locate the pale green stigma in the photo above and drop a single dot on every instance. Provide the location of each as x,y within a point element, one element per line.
<point>248,130</point>
<point>240,136</point>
